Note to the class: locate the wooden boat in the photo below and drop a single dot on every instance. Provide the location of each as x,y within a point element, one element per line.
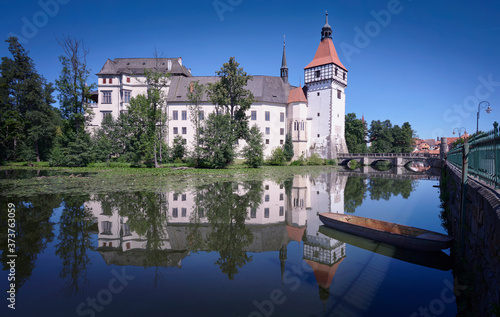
<point>434,259</point>
<point>388,232</point>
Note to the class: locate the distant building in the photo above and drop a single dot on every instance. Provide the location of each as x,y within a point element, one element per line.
<point>314,115</point>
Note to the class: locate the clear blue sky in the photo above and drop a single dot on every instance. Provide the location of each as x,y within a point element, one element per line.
<point>425,62</point>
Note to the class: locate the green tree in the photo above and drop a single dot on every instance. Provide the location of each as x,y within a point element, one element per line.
<point>355,134</point>
<point>288,147</point>
<point>381,136</point>
<point>179,148</point>
<point>253,152</point>
<point>230,97</point>
<point>217,144</point>
<point>28,121</point>
<point>72,85</point>
<point>195,95</point>
<point>157,80</point>
<point>277,157</point>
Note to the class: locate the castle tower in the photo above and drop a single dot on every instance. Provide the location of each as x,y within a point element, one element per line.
<point>326,79</point>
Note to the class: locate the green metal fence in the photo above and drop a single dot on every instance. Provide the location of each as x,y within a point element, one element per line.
<point>483,156</point>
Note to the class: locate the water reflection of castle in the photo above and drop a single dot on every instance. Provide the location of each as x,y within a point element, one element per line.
<point>286,212</point>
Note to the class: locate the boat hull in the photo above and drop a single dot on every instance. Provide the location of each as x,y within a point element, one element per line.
<point>387,232</point>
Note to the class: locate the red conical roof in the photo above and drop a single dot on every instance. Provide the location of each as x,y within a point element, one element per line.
<point>326,54</point>
<point>324,274</point>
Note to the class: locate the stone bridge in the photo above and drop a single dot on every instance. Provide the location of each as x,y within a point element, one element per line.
<point>396,159</point>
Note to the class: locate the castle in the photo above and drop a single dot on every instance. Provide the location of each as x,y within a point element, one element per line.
<point>314,115</point>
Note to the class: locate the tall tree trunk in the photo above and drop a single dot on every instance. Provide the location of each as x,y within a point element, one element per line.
<point>37,152</point>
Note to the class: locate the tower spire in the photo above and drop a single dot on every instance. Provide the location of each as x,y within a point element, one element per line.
<point>326,31</point>
<point>284,67</point>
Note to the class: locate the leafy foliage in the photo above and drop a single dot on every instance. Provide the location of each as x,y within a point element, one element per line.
<point>355,134</point>
<point>386,138</point>
<point>217,144</point>
<point>230,97</point>
<point>288,147</point>
<point>253,152</point>
<point>277,157</point>
<point>28,121</point>
<point>195,94</point>
<point>179,148</point>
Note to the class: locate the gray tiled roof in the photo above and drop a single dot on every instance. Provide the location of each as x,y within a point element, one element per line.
<point>264,88</point>
<point>136,66</point>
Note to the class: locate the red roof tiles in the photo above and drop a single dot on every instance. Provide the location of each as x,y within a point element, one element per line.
<point>297,95</point>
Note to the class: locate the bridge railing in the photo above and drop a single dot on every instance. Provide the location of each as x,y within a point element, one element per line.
<point>483,156</point>
<point>408,155</point>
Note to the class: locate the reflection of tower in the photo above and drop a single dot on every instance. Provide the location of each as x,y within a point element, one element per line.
<point>321,252</point>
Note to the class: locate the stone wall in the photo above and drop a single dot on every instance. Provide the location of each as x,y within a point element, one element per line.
<point>477,263</point>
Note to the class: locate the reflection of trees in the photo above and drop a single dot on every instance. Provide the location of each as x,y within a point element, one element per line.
<point>33,231</point>
<point>146,215</point>
<point>354,193</point>
<point>226,209</point>
<point>74,236</point>
<point>383,188</point>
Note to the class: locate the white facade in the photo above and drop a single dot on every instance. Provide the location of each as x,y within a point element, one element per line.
<point>316,120</point>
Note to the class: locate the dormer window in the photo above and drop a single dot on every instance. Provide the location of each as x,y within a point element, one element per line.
<point>104,80</point>
<point>318,73</point>
<point>111,80</point>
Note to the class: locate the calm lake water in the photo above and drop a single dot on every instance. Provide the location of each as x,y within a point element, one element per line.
<point>226,249</point>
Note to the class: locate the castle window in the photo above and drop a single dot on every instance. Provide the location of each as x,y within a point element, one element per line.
<point>282,131</point>
<point>281,142</point>
<point>183,212</point>
<point>317,94</point>
<point>282,117</point>
<point>254,115</point>
<point>128,79</point>
<point>336,69</point>
<point>184,130</point>
<point>175,115</point>
<point>201,115</point>
<point>266,212</point>
<point>175,212</point>
<point>344,75</point>
<point>111,80</point>
<point>104,80</point>
<point>282,211</point>
<point>318,135</point>
<point>318,73</point>
<point>183,197</point>
<point>266,198</point>
<point>318,114</point>
<point>268,116</point>
<point>106,97</point>
<point>176,197</point>
<point>176,130</point>
<point>268,130</point>
<point>267,141</point>
<point>253,213</point>
<point>106,115</point>
<point>339,94</point>
<point>302,125</point>
<point>126,95</point>
<point>184,115</point>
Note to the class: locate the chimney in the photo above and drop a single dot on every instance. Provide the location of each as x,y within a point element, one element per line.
<point>180,60</point>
